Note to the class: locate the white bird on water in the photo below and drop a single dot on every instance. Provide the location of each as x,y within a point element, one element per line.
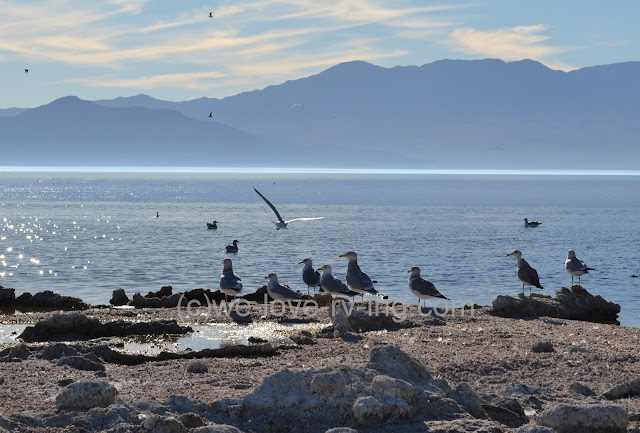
<point>575,266</point>
<point>282,224</point>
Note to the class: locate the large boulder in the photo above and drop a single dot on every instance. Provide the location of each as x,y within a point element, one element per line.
<point>346,318</point>
<point>592,419</point>
<point>574,303</point>
<point>119,298</point>
<point>624,390</point>
<point>86,395</point>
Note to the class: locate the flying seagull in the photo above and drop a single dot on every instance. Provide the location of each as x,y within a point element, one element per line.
<point>526,274</point>
<point>357,280</point>
<point>232,248</point>
<point>528,223</point>
<point>230,283</point>
<point>282,224</point>
<point>210,14</point>
<point>575,266</point>
<point>279,292</point>
<point>211,114</point>
<point>26,71</point>
<point>423,289</point>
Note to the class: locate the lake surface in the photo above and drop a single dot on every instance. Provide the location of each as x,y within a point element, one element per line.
<point>85,234</point>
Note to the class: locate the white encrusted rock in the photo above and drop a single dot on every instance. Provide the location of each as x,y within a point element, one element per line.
<point>367,410</point>
<point>592,419</point>
<point>86,395</point>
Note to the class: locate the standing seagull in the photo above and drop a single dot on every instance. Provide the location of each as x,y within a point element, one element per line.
<point>282,224</point>
<point>333,285</point>
<point>279,292</point>
<point>575,266</point>
<point>232,248</point>
<point>357,280</point>
<point>528,223</point>
<point>230,283</point>
<point>423,289</point>
<point>525,272</point>
<point>310,276</point>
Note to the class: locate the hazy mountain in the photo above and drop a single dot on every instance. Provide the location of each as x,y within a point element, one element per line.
<point>445,114</point>
<point>10,112</point>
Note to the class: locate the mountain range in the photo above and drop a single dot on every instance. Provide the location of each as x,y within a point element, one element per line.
<point>483,114</point>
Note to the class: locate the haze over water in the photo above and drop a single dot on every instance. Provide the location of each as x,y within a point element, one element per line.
<point>85,234</point>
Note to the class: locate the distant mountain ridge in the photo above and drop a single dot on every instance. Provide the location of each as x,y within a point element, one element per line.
<point>445,114</point>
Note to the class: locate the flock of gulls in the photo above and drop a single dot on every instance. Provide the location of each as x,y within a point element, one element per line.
<point>358,282</point>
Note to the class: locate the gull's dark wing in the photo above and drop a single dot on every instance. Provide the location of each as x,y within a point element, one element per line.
<point>273,208</point>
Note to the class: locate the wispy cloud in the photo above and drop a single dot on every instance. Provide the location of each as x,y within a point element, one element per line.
<point>190,80</point>
<point>513,43</point>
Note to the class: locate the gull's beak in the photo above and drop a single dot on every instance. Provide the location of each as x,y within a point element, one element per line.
<point>300,263</point>
<point>510,254</point>
<point>266,277</point>
<point>409,271</point>
<point>342,255</point>
<point>319,269</point>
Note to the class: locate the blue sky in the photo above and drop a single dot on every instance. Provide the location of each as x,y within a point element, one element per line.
<point>171,49</point>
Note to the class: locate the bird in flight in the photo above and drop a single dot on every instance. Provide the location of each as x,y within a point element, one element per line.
<point>210,14</point>
<point>26,71</point>
<point>211,114</point>
<point>282,224</point>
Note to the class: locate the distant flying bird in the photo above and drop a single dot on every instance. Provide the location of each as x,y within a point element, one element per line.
<point>528,223</point>
<point>232,248</point>
<point>423,289</point>
<point>26,71</point>
<point>210,14</point>
<point>297,107</point>
<point>526,274</point>
<point>211,114</point>
<point>282,224</point>
<point>575,266</point>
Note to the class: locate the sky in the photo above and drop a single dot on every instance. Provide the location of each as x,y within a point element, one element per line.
<point>173,50</point>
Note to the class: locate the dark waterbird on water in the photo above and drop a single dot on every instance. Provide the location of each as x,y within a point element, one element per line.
<point>528,223</point>
<point>212,226</point>
<point>232,248</point>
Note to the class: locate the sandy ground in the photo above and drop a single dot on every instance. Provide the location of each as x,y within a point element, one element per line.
<point>490,353</point>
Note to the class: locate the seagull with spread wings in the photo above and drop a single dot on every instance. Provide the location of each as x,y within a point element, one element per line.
<point>282,224</point>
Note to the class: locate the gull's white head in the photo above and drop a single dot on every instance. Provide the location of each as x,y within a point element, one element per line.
<point>351,255</point>
<point>273,278</point>
<point>226,263</point>
<point>516,253</point>
<point>415,271</point>
<point>306,262</point>
<point>326,269</point>
<point>571,254</point>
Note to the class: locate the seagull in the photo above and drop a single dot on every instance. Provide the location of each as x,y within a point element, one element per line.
<point>210,14</point>
<point>230,283</point>
<point>211,114</point>
<point>213,225</point>
<point>525,272</point>
<point>357,280</point>
<point>232,248</point>
<point>310,276</point>
<point>282,224</point>
<point>423,289</point>
<point>279,292</point>
<point>528,223</point>
<point>333,285</point>
<point>575,266</point>
<point>26,71</point>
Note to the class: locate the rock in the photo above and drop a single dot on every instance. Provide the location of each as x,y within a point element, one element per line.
<point>393,362</point>
<point>57,351</point>
<point>346,318</point>
<point>164,291</point>
<point>542,347</point>
<point>217,428</point>
<point>171,301</point>
<point>389,387</point>
<point>49,300</point>
<point>581,389</point>
<point>535,429</point>
<point>19,352</point>
<point>162,424</point>
<point>197,367</point>
<point>65,382</point>
<point>86,395</point>
<point>367,410</point>
<point>191,420</point>
<point>303,338</point>
<point>341,430</point>
<point>256,340</point>
<point>7,297</point>
<point>119,298</point>
<point>81,363</point>
<point>505,410</point>
<point>329,383</point>
<point>592,419</point>
<point>463,426</point>
<point>574,303</point>
<point>469,400</point>
<point>624,390</point>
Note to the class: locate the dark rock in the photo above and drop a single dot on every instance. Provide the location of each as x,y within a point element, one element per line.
<point>581,389</point>
<point>505,410</point>
<point>197,367</point>
<point>191,420</point>
<point>65,382</point>
<point>119,298</point>
<point>346,318</point>
<point>392,361</point>
<point>256,340</point>
<point>81,363</point>
<point>49,300</point>
<point>624,390</point>
<point>574,303</point>
<point>592,419</point>
<point>163,424</point>
<point>463,426</point>
<point>535,429</point>
<point>303,338</point>
<point>164,291</point>
<point>240,318</point>
<point>217,428</point>
<point>19,352</point>
<point>542,347</point>
<point>57,351</point>
<point>7,297</point>
<point>171,301</point>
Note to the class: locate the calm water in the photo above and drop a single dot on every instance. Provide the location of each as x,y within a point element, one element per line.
<point>84,234</point>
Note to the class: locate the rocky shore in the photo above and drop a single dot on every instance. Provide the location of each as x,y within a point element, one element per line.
<point>368,369</point>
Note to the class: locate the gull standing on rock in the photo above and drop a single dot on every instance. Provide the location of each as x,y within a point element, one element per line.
<point>526,274</point>
<point>357,280</point>
<point>333,285</point>
<point>310,276</point>
<point>279,292</point>
<point>423,289</point>
<point>230,283</point>
<point>282,224</point>
<point>575,266</point>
